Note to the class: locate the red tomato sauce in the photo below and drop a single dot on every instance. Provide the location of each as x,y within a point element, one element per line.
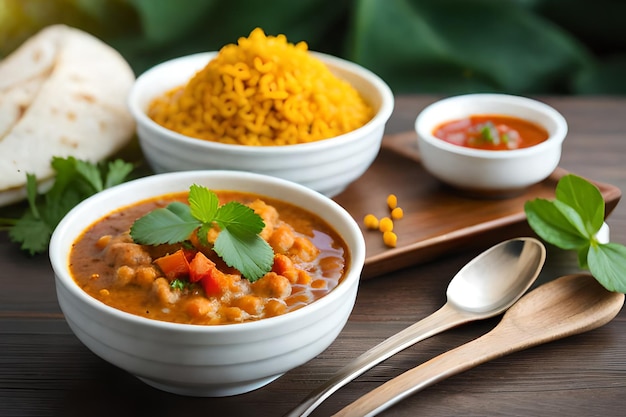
<point>491,132</point>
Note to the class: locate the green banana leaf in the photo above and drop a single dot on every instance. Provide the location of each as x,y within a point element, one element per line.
<point>523,47</point>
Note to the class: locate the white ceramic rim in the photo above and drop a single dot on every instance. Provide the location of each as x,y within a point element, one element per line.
<point>58,254</point>
<point>423,127</point>
<point>382,115</point>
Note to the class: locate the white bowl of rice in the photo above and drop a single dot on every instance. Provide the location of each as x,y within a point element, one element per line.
<point>235,124</point>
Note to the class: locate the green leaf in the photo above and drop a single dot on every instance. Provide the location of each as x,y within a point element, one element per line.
<point>182,211</point>
<point>572,221</point>
<point>32,233</point>
<point>117,172</point>
<point>166,20</point>
<point>551,224</point>
<point>65,173</point>
<point>73,175</point>
<point>54,209</point>
<point>253,257</point>
<point>606,77</point>
<point>451,46</point>
<point>91,174</point>
<point>574,218</point>
<point>31,195</point>
<point>239,219</point>
<point>203,233</point>
<point>458,46</point>
<point>582,255</point>
<point>74,181</point>
<point>166,29</point>
<point>172,224</point>
<point>203,203</point>
<point>607,263</point>
<point>585,198</point>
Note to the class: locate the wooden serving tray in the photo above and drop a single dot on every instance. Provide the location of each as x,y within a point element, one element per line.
<point>437,219</point>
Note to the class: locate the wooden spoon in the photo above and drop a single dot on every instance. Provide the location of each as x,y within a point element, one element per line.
<point>569,305</point>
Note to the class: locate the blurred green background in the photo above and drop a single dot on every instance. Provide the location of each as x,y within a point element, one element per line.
<point>523,47</point>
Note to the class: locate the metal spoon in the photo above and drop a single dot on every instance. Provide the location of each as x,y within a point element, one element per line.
<point>566,306</point>
<point>485,287</point>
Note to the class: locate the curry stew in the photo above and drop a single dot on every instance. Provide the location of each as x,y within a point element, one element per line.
<point>310,259</point>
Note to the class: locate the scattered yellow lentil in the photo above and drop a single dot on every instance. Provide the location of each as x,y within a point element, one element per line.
<point>390,239</point>
<point>370,221</point>
<point>392,201</point>
<point>397,213</point>
<point>262,91</point>
<point>385,225</point>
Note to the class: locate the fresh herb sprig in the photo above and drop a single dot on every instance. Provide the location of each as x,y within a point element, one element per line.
<point>75,180</point>
<point>571,221</point>
<point>238,242</point>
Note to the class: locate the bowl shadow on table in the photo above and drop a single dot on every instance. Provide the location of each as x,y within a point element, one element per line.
<point>110,391</point>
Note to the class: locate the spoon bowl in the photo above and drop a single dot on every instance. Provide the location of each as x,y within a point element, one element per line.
<point>494,280</point>
<point>487,286</point>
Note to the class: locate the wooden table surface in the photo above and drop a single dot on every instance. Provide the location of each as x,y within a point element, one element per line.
<point>46,371</point>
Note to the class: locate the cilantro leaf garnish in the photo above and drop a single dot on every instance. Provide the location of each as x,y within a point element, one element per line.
<point>489,133</point>
<point>178,284</point>
<point>238,243</point>
<point>172,224</point>
<point>252,255</point>
<point>204,206</point>
<point>240,222</point>
<point>571,221</point>
<point>74,181</point>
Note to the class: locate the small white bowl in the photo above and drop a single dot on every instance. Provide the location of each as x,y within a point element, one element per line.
<point>486,172</point>
<point>200,360</point>
<point>327,166</point>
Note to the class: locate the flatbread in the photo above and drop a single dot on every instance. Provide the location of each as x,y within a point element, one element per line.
<point>62,93</point>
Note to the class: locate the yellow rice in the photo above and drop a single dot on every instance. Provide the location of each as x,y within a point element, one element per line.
<point>262,91</point>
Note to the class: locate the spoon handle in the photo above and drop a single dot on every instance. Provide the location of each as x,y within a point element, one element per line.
<point>441,367</point>
<point>567,306</point>
<point>443,319</point>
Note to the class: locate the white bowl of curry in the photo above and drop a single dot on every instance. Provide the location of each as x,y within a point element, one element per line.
<point>490,144</point>
<point>220,333</point>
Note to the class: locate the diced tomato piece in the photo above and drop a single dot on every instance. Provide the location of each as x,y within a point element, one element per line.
<point>211,286</point>
<point>189,253</point>
<point>215,284</point>
<point>174,265</point>
<point>214,281</point>
<point>199,267</point>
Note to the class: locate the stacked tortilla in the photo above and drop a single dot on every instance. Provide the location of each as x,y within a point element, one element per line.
<point>62,93</point>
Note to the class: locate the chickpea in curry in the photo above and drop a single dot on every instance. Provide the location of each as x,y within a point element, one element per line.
<point>310,259</point>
